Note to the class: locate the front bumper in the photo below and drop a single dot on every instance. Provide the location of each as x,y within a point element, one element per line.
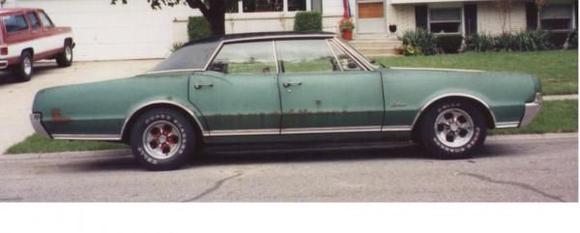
<point>531,110</point>
<point>36,120</point>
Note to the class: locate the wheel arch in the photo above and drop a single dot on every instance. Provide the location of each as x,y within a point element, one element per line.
<point>28,49</point>
<point>479,103</point>
<point>132,117</point>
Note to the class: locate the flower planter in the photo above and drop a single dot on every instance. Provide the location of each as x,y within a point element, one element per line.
<point>347,35</point>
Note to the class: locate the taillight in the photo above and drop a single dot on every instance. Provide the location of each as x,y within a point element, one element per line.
<point>3,50</point>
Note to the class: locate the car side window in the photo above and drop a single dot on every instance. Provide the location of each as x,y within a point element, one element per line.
<point>344,60</point>
<point>297,56</point>
<point>33,19</point>
<point>45,20</point>
<point>245,58</point>
<point>15,23</point>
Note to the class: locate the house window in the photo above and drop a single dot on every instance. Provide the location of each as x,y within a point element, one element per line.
<point>15,23</point>
<point>263,5</point>
<point>273,5</point>
<point>232,7</point>
<point>296,5</point>
<point>445,20</point>
<point>556,17</point>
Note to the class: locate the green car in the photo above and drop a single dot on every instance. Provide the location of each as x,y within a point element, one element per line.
<point>285,87</point>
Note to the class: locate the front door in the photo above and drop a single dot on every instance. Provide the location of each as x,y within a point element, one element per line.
<point>322,95</point>
<point>371,16</point>
<point>239,93</point>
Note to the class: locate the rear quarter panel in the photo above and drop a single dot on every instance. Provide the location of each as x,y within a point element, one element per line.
<point>407,91</point>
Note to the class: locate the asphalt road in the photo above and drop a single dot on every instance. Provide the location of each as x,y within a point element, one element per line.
<point>510,169</point>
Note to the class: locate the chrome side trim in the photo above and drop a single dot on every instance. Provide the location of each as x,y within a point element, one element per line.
<point>131,114</point>
<point>174,71</point>
<point>508,124</point>
<point>436,69</point>
<point>315,130</point>
<point>91,137</point>
<point>391,128</point>
<point>36,121</point>
<point>274,49</point>
<point>426,105</point>
<point>241,132</point>
<point>274,37</point>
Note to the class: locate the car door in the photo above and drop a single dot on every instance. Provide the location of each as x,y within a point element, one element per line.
<point>322,95</point>
<point>36,33</point>
<point>238,95</point>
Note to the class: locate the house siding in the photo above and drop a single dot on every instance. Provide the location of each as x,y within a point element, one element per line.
<point>490,21</point>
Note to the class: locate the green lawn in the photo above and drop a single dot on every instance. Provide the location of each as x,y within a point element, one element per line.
<point>39,144</point>
<point>555,117</point>
<point>558,70</point>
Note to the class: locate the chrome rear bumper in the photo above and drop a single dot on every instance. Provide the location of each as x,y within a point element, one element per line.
<point>531,110</point>
<point>36,120</point>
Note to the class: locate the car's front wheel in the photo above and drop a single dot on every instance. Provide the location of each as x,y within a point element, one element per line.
<point>162,139</point>
<point>453,129</point>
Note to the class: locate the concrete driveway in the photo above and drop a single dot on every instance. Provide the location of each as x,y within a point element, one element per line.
<point>16,97</point>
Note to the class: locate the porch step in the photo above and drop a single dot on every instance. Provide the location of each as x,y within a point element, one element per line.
<point>377,46</point>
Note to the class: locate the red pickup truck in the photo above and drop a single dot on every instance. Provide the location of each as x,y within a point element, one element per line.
<point>28,35</point>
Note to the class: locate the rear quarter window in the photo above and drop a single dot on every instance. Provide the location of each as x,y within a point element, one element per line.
<point>14,23</point>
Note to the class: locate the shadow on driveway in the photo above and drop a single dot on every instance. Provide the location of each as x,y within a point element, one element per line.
<point>250,155</point>
<point>7,77</point>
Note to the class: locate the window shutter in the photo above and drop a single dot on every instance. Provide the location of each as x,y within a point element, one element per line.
<point>421,16</point>
<point>470,19</point>
<point>531,16</point>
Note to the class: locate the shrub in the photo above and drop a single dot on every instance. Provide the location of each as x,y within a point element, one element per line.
<point>345,25</point>
<point>449,43</point>
<point>522,41</point>
<point>308,22</point>
<point>419,42</point>
<point>197,28</point>
<point>176,46</point>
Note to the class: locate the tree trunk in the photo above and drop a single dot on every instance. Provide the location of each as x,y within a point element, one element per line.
<point>217,17</point>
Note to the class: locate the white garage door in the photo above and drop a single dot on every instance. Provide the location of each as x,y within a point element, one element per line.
<point>108,32</point>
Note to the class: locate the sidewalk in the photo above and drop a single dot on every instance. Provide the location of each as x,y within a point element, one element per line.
<point>560,97</point>
<point>16,97</point>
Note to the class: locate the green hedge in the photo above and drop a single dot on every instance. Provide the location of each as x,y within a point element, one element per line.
<point>521,41</point>
<point>197,28</point>
<point>308,22</point>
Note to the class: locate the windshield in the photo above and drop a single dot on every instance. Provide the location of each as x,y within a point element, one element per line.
<point>194,56</point>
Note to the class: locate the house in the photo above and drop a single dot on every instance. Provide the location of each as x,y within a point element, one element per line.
<point>134,31</point>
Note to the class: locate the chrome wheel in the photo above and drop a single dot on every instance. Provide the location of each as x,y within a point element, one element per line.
<point>27,65</point>
<point>68,53</point>
<point>454,127</point>
<point>162,139</point>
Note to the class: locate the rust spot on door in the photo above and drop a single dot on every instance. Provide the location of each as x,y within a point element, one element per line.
<point>57,117</point>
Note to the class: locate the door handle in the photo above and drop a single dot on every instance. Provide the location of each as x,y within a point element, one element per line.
<point>201,85</point>
<point>289,84</point>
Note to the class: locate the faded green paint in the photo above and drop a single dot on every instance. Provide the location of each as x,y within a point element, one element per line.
<point>237,102</point>
<point>332,99</point>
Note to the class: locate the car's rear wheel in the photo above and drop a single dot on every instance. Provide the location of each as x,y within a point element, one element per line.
<point>453,129</point>
<point>25,68</point>
<point>162,139</point>
<point>65,58</point>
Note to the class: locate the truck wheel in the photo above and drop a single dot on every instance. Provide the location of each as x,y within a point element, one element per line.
<point>453,129</point>
<point>162,139</point>
<point>25,68</point>
<point>65,58</point>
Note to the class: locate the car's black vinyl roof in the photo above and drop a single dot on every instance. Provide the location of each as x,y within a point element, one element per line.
<point>258,35</point>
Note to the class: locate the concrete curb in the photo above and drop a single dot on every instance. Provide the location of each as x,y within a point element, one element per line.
<point>127,152</point>
<point>560,97</point>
